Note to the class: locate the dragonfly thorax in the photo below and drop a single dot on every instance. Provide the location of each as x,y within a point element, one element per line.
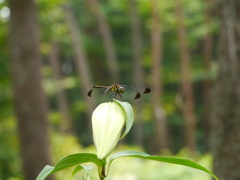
<point>118,89</point>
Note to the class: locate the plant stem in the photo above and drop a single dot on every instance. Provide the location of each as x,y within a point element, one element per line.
<point>103,175</point>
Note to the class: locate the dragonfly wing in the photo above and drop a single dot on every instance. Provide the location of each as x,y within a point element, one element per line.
<point>140,90</point>
<point>90,93</point>
<point>147,90</point>
<point>130,92</point>
<point>97,92</point>
<point>138,95</point>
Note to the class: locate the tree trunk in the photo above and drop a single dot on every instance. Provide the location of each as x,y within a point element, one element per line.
<point>62,100</point>
<point>160,124</point>
<point>138,71</point>
<point>208,47</point>
<point>107,40</point>
<point>225,110</point>
<point>81,62</point>
<point>186,85</point>
<point>29,99</point>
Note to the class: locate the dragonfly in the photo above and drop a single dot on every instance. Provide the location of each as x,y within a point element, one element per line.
<point>120,92</point>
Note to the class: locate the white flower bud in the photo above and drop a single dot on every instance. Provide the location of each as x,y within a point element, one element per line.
<point>108,120</point>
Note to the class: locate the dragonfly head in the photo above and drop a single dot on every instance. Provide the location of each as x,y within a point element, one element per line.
<point>121,89</point>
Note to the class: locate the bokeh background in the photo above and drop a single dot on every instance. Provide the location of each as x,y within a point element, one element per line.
<point>186,52</point>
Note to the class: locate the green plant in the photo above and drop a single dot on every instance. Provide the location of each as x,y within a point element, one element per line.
<point>108,121</point>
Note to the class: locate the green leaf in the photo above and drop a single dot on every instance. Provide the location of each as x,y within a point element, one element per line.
<point>130,116</point>
<point>79,168</point>
<point>69,161</point>
<point>45,172</point>
<point>179,161</point>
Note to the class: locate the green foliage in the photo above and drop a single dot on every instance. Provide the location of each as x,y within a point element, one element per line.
<point>69,161</point>
<point>81,167</point>
<point>173,160</point>
<point>142,167</point>
<point>9,154</point>
<point>52,21</point>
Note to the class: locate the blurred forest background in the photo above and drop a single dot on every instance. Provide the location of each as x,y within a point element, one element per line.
<point>186,51</point>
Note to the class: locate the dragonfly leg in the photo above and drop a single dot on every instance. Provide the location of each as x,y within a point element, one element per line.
<point>117,96</point>
<point>113,95</point>
<point>120,95</point>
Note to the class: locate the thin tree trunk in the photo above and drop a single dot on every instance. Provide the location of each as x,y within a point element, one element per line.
<point>187,89</point>
<point>62,100</point>
<point>225,110</point>
<point>81,61</point>
<point>107,40</point>
<point>161,129</point>
<point>138,71</point>
<point>208,47</point>
<point>29,99</point>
